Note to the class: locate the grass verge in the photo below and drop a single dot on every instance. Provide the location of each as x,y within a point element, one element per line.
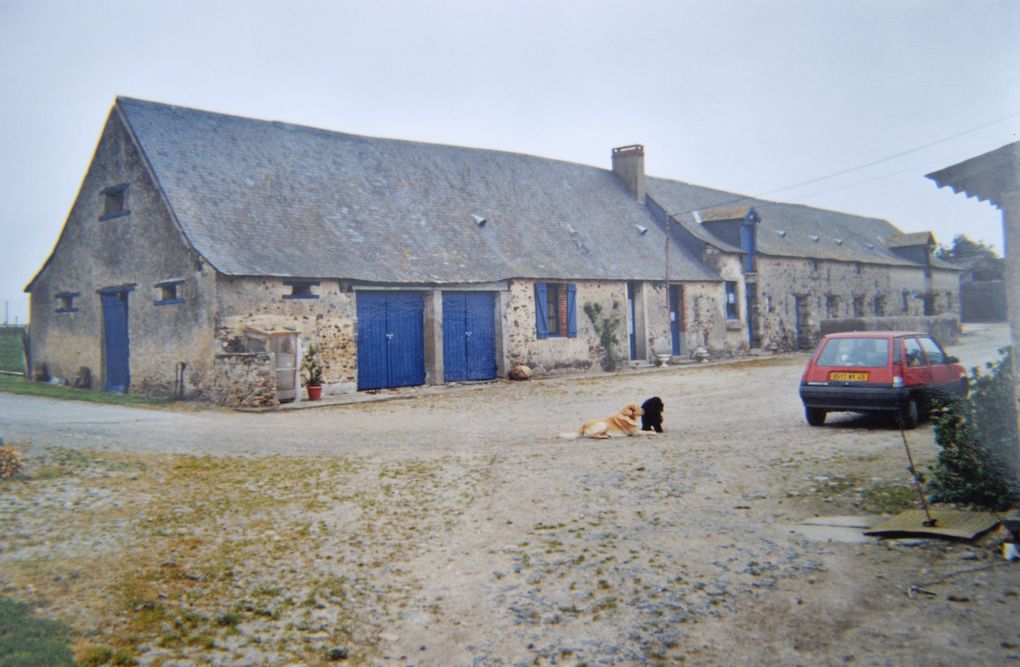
<point>26,641</point>
<point>18,385</point>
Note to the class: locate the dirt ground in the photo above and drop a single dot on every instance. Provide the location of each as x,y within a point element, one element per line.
<point>453,528</point>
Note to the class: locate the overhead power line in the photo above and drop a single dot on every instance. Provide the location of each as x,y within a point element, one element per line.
<point>857,168</point>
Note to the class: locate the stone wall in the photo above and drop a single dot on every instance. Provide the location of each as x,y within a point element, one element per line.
<point>328,321</point>
<point>945,329</point>
<point>245,380</point>
<point>704,321</point>
<point>796,295</point>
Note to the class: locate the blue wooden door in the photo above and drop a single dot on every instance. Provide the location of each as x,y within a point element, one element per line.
<point>391,342</point>
<point>405,340</point>
<point>676,317</point>
<point>469,336</point>
<point>115,341</point>
<point>632,339</point>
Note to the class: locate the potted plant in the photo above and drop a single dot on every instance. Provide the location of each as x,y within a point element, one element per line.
<point>311,373</point>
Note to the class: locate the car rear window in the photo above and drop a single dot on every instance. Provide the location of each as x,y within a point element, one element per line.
<point>870,352</point>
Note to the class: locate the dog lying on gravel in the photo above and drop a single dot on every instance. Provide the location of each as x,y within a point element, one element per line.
<point>623,423</point>
<point>651,420</point>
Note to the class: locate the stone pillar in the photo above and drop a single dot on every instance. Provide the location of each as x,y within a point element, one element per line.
<point>433,306</point>
<point>1011,251</point>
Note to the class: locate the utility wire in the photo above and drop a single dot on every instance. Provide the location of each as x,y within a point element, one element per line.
<point>852,169</point>
<point>927,166</point>
<point>892,157</point>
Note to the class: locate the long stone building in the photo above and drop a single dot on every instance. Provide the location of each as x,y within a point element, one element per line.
<point>205,251</point>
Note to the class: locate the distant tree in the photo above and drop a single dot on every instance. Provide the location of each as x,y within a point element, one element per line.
<point>964,248</point>
<point>979,258</point>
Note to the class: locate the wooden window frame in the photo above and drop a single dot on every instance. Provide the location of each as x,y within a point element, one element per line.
<point>168,292</point>
<point>65,302</point>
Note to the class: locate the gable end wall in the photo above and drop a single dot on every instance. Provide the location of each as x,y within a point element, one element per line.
<point>142,248</point>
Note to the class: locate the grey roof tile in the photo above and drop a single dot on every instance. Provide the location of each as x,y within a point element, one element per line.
<point>785,230</point>
<point>267,198</point>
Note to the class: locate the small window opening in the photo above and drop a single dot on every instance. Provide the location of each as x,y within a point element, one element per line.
<point>552,312</point>
<point>114,202</point>
<point>301,289</point>
<point>65,302</point>
<point>168,292</point>
<point>732,312</point>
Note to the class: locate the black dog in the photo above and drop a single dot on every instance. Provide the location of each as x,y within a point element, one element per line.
<point>651,420</point>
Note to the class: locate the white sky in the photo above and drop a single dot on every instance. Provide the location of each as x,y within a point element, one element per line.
<point>744,95</point>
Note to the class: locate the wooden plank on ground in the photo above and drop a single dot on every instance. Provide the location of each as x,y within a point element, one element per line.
<point>948,523</point>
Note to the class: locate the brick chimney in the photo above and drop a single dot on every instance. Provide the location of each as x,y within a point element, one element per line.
<point>629,167</point>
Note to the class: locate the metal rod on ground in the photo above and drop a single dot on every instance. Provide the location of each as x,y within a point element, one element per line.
<point>917,483</point>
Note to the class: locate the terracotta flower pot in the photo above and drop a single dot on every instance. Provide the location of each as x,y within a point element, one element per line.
<point>314,392</point>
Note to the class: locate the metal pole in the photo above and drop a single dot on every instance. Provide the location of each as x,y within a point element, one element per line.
<point>917,483</point>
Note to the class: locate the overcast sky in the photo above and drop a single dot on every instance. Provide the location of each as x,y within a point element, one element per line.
<point>742,95</point>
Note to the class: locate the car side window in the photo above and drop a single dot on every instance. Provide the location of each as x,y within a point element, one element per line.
<point>934,352</point>
<point>912,351</point>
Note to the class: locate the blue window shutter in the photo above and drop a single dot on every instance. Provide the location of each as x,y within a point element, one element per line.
<point>541,307</point>
<point>571,310</point>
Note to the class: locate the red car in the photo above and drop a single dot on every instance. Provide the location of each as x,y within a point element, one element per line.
<point>895,372</point>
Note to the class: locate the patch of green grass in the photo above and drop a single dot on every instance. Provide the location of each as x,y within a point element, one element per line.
<point>31,642</point>
<point>18,385</point>
<point>888,498</point>
<point>11,351</point>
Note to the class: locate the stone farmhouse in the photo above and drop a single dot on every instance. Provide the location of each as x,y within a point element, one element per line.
<point>204,252</point>
<point>787,267</point>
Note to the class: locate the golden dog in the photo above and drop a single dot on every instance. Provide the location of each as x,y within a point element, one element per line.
<point>623,423</point>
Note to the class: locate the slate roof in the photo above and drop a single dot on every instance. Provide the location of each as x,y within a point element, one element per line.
<point>268,198</point>
<point>723,213</point>
<point>910,240</point>
<point>785,230</point>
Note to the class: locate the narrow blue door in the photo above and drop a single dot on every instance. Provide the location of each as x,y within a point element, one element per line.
<point>469,336</point>
<point>371,308</point>
<point>115,341</point>
<point>480,335</point>
<point>676,316</point>
<point>406,340</point>
<point>391,343</point>
<point>630,324</point>
<point>454,327</point>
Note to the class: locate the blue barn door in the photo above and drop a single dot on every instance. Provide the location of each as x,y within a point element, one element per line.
<point>391,342</point>
<point>469,336</point>
<point>115,341</point>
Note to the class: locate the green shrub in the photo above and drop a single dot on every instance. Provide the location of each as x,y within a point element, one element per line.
<point>605,328</point>
<point>979,459</point>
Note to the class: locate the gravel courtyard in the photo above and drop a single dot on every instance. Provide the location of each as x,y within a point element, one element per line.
<point>454,528</point>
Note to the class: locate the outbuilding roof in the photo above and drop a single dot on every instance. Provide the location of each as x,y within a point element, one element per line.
<point>266,198</point>
<point>784,230</point>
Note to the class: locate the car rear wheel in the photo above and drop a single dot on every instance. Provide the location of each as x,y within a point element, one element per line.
<point>815,416</point>
<point>910,413</point>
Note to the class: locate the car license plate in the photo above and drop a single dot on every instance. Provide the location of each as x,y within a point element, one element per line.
<point>849,377</point>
